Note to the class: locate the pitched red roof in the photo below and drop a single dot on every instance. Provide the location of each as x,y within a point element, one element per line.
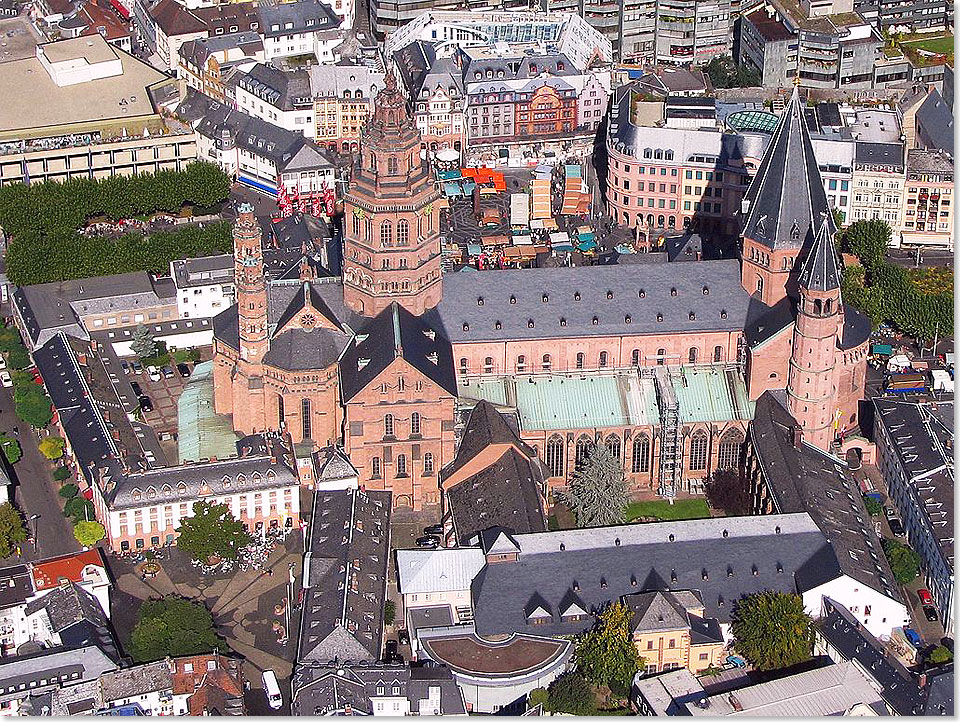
<point>80,567</point>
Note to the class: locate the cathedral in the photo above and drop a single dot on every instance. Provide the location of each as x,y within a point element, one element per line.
<point>376,362</point>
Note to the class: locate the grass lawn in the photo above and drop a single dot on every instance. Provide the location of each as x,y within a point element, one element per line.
<point>942,45</point>
<point>665,511</point>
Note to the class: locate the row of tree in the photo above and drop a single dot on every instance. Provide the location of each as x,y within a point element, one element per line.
<point>51,206</point>
<point>884,291</point>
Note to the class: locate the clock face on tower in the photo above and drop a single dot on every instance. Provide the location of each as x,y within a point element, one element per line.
<point>308,320</point>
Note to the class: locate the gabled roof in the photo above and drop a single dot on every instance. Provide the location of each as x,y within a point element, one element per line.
<point>173,19</point>
<point>819,271</point>
<point>396,333</point>
<point>423,571</point>
<point>305,299</point>
<point>786,199</point>
<point>485,427</point>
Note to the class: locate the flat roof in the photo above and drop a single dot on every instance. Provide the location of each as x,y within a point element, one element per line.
<point>76,48</point>
<point>519,655</point>
<point>47,105</point>
<point>711,393</point>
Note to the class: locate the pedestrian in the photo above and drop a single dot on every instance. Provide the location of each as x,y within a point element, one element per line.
<point>269,572</point>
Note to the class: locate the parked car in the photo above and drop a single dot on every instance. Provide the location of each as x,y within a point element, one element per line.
<point>183,370</point>
<point>167,372</point>
<point>889,513</point>
<point>137,367</point>
<point>434,529</point>
<point>925,598</point>
<point>391,652</point>
<point>136,388</point>
<point>896,526</point>
<point>126,368</point>
<point>931,614</point>
<point>5,379</point>
<point>153,372</point>
<point>145,403</point>
<point>428,542</point>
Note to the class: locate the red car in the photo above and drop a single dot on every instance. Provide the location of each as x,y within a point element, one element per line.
<point>925,598</point>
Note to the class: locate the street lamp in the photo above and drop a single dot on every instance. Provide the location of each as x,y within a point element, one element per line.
<point>34,518</point>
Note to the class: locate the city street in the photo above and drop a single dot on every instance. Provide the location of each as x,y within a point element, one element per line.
<point>35,491</point>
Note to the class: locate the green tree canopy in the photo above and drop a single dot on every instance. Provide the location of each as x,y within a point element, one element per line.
<point>11,449</point>
<point>874,507</point>
<point>571,694</point>
<point>143,344</point>
<point>598,490</point>
<point>79,509</point>
<point>727,490</point>
<point>61,473</point>
<point>173,626</point>
<point>18,358</point>
<point>868,240</point>
<point>772,630</point>
<point>939,655</point>
<point>212,530</point>
<point>724,72</point>
<point>30,401</point>
<point>52,447</point>
<point>904,561</point>
<point>606,654</point>
<point>88,533</point>
<point>68,491</point>
<point>13,532</point>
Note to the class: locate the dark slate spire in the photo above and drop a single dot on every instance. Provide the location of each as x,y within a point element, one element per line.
<point>820,271</point>
<point>786,198</point>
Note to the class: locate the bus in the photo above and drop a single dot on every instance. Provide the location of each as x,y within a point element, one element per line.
<point>272,689</point>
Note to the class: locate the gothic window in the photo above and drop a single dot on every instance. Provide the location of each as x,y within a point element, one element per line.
<point>427,464</point>
<point>415,424</point>
<point>698,451</point>
<point>388,425</point>
<point>401,465</point>
<point>375,467</point>
<point>464,366</point>
<point>403,232</point>
<point>728,453</point>
<point>546,363</point>
<point>635,357</point>
<point>603,359</point>
<point>521,363</point>
<point>488,365</point>
<point>392,165</point>
<point>692,355</point>
<point>613,446</point>
<point>368,230</point>
<point>717,353</point>
<point>661,352</point>
<point>583,448</point>
<point>386,233</point>
<point>279,410</point>
<point>305,421</point>
<point>579,360</point>
<point>356,225</point>
<point>555,456</point>
<point>641,454</point>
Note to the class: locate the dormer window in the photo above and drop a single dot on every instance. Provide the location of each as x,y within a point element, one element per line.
<point>576,295</point>
<point>659,318</point>
<point>673,291</point>
<point>704,575</point>
<point>693,316</point>
<point>706,290</point>
<point>513,300</point>
<point>723,313</point>
<point>609,295</point>
<point>563,321</point>
<point>643,294</point>
<point>596,321</point>
<point>529,323</point>
<point>466,326</point>
<point>480,300</point>
<point>545,298</point>
<point>498,325</point>
<point>628,318</point>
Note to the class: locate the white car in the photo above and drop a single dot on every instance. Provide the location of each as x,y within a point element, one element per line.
<point>5,379</point>
<point>154,373</point>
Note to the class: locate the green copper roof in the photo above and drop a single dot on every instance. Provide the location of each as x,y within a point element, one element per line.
<point>201,433</point>
<point>711,393</point>
<point>753,120</point>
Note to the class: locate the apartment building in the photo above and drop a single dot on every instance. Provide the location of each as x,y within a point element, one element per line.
<point>878,183</point>
<point>305,27</point>
<point>928,200</point>
<point>343,97</point>
<point>205,62</point>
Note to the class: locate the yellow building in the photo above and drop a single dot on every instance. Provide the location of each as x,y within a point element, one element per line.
<point>671,632</point>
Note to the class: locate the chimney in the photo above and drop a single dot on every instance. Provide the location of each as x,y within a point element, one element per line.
<point>922,681</point>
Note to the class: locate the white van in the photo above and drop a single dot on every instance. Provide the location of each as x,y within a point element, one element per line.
<point>272,689</point>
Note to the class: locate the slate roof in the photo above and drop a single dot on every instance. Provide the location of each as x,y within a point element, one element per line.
<point>898,686</point>
<point>197,51</point>
<point>16,586</point>
<point>819,271</point>
<point>327,689</point>
<point>806,479</point>
<point>764,322</point>
<point>662,611</point>
<point>57,664</point>
<point>347,559</point>
<point>592,564</point>
<point>285,90</point>
<point>331,463</point>
<point>940,692</point>
<point>396,333</point>
<point>879,154</point>
<point>935,123</point>
<point>135,681</point>
<point>68,605</point>
<point>306,16</point>
<point>786,198</point>
<point>473,303</point>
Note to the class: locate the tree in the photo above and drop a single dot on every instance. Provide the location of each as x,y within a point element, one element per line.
<point>725,73</point>
<point>18,358</point>
<point>772,630</point>
<point>13,532</point>
<point>598,491</point>
<point>389,611</point>
<point>212,530</point>
<point>537,696</point>
<point>79,509</point>
<point>11,449</point>
<point>839,217</point>
<point>868,240</point>
<point>143,344</point>
<point>31,403</point>
<point>175,627</point>
<point>727,490</point>
<point>570,694</point>
<point>939,655</point>
<point>606,653</point>
<point>61,473</point>
<point>68,491</point>
<point>52,447</point>
<point>88,533</point>
<point>904,561</point>
<point>874,507</point>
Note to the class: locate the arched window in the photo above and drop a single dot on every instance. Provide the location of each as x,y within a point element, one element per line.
<point>759,284</point>
<point>392,165</point>
<point>728,452</point>
<point>583,449</point>
<point>386,233</point>
<point>717,353</point>
<point>692,355</point>
<point>401,465</point>
<point>641,454</point>
<point>672,222</point>
<point>603,359</point>
<point>305,420</point>
<point>817,306</point>
<point>661,221</point>
<point>521,363</point>
<point>579,360</point>
<point>828,308</point>
<point>427,464</point>
<point>368,230</point>
<point>464,366</point>
<point>388,425</point>
<point>488,365</point>
<point>356,225</point>
<point>545,362</point>
<point>415,424</point>
<point>635,357</point>
<point>555,454</point>
<point>698,451</point>
<point>661,352</point>
<point>403,232</point>
<point>613,446</point>
<point>375,467</point>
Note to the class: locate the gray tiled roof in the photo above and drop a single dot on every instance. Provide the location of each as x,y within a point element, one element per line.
<point>819,271</point>
<point>611,294</point>
<point>601,564</point>
<point>305,16</point>
<point>879,153</point>
<point>935,122</point>
<point>135,681</point>
<point>68,605</point>
<point>786,201</point>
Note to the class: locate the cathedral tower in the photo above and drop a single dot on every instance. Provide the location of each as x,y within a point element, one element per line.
<point>812,393</point>
<point>391,216</point>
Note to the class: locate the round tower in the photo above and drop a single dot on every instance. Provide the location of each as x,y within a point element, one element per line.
<point>391,249</point>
